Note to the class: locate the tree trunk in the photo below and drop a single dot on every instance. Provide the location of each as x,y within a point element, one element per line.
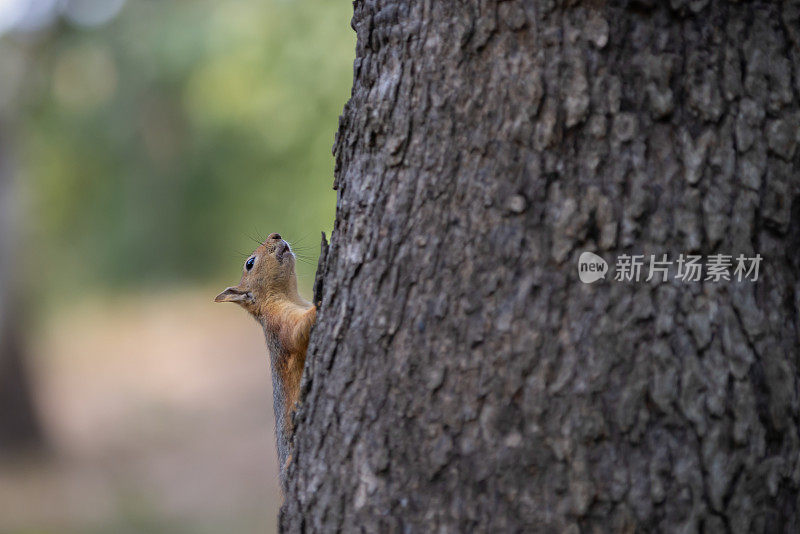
<point>460,377</point>
<point>18,423</point>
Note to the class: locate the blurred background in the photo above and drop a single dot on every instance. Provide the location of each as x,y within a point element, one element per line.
<point>145,148</point>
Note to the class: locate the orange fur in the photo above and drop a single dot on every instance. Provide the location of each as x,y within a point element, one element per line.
<point>292,323</point>
<point>268,291</point>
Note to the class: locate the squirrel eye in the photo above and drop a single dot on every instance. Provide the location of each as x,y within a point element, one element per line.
<point>250,262</point>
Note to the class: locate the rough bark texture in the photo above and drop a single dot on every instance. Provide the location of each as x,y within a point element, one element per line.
<point>18,424</point>
<point>460,378</point>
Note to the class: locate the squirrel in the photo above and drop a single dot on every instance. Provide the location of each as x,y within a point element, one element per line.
<point>268,291</point>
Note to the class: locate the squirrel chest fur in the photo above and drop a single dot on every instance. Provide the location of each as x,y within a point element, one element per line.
<point>268,291</point>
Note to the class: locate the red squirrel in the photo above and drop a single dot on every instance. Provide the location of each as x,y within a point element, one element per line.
<point>268,291</point>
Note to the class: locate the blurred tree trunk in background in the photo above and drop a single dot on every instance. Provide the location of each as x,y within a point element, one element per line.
<point>460,377</point>
<point>18,424</point>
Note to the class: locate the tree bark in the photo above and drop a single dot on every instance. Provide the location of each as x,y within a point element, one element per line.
<point>460,377</point>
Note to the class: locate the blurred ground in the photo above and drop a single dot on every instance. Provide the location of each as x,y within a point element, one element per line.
<point>158,411</point>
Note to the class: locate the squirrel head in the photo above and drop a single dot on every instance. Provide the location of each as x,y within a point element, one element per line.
<point>267,276</point>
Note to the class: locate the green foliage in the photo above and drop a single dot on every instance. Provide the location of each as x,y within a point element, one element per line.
<point>154,146</point>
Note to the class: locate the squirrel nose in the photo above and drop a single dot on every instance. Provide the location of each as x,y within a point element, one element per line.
<point>274,236</point>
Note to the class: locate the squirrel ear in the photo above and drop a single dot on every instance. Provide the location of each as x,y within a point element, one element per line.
<point>233,294</point>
